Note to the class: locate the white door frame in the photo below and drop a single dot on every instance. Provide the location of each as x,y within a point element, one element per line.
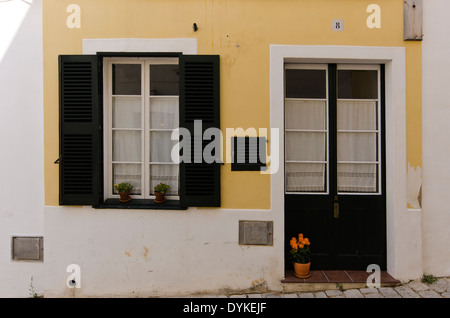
<point>399,220</point>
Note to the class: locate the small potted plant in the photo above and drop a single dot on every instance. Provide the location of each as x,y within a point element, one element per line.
<point>124,190</point>
<point>160,192</point>
<point>301,256</point>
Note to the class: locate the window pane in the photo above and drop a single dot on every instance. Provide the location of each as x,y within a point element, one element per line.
<point>357,146</point>
<point>305,146</point>
<point>357,84</point>
<point>305,177</point>
<point>356,115</point>
<point>167,174</point>
<point>126,145</point>
<point>161,146</point>
<point>164,80</point>
<point>126,112</point>
<point>163,112</point>
<point>126,79</point>
<point>306,114</point>
<point>127,173</point>
<point>357,177</point>
<point>306,83</point>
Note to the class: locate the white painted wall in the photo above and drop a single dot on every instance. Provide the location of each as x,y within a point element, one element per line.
<point>22,151</point>
<point>436,137</point>
<point>142,253</point>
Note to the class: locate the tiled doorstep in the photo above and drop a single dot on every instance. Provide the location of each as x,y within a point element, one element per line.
<point>337,276</point>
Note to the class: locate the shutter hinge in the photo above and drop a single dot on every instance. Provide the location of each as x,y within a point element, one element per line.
<point>57,161</point>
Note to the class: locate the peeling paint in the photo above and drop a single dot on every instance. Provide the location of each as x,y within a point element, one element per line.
<point>414,187</point>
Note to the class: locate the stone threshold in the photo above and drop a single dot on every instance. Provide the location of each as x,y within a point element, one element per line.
<point>333,279</point>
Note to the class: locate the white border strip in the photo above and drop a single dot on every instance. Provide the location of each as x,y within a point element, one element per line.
<point>182,45</point>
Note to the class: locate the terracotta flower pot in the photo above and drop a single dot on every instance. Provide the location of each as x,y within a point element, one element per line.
<point>160,197</point>
<point>302,270</point>
<point>124,196</point>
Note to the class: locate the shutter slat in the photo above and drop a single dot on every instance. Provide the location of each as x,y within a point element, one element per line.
<point>199,100</point>
<point>79,121</point>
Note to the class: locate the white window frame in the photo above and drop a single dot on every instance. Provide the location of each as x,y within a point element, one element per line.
<point>323,67</point>
<point>367,67</point>
<point>145,62</point>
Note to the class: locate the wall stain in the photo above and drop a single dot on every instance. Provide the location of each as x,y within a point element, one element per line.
<point>145,252</point>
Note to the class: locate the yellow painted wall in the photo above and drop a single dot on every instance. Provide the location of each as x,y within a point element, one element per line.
<point>240,31</point>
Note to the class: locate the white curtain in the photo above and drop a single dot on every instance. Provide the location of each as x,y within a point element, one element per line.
<point>168,174</point>
<point>305,177</point>
<point>357,143</point>
<point>128,173</point>
<point>126,112</point>
<point>163,115</point>
<point>163,112</point>
<point>306,145</point>
<point>127,138</point>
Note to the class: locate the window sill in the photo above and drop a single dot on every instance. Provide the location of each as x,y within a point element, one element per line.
<point>148,204</point>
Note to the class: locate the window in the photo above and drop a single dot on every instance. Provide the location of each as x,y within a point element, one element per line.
<point>333,128</point>
<point>248,153</point>
<point>117,113</point>
<point>142,105</point>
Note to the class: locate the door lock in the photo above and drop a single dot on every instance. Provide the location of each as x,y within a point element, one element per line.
<point>336,210</point>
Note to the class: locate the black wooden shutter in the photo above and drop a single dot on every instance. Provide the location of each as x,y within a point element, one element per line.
<point>79,129</point>
<point>199,100</point>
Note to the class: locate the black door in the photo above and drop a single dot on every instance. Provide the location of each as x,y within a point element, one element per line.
<point>335,163</point>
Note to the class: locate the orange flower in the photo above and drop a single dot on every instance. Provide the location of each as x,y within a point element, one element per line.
<point>294,243</point>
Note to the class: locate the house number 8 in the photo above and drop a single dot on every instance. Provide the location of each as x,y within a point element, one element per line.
<point>338,25</point>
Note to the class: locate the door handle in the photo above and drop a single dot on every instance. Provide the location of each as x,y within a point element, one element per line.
<point>336,210</point>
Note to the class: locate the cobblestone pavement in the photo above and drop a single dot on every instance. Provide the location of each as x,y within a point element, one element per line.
<point>413,289</point>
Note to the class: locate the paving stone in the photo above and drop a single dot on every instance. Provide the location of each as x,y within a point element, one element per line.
<point>333,293</point>
<point>429,294</point>
<point>238,296</point>
<point>406,292</point>
<point>353,293</point>
<point>369,290</point>
<point>306,295</point>
<point>388,292</point>
<point>440,286</point>
<point>320,295</point>
<point>373,295</point>
<point>418,286</point>
<point>446,295</point>
<point>272,296</point>
<point>288,296</point>
<point>254,295</point>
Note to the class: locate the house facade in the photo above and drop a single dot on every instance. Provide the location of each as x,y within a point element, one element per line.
<point>266,119</point>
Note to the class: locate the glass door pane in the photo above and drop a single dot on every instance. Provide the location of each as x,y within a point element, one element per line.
<point>358,144</point>
<point>306,129</point>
